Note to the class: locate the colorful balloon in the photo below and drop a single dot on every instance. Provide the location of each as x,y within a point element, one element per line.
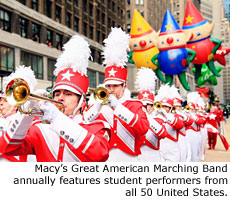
<point>142,45</point>
<point>207,75</point>
<point>200,41</point>
<point>173,58</point>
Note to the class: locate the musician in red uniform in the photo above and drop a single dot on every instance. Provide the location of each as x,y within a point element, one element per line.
<point>150,142</point>
<point>212,119</point>
<point>125,116</point>
<point>66,138</point>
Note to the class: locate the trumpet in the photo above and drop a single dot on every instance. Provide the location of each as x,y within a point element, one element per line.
<point>157,105</point>
<point>174,109</point>
<point>18,92</point>
<point>101,94</point>
<point>187,108</point>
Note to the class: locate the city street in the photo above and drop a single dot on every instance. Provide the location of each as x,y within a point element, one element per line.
<point>219,154</point>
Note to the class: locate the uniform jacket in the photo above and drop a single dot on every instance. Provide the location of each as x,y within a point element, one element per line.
<point>128,123</point>
<point>63,140</point>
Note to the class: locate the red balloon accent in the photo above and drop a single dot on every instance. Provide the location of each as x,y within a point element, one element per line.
<point>142,43</point>
<point>169,40</point>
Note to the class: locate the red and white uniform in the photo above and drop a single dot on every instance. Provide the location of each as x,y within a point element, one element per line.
<point>204,136</point>
<point>63,140</point>
<point>212,119</point>
<point>150,143</point>
<point>194,137</point>
<point>128,123</point>
<point>183,140</point>
<point>4,122</point>
<point>169,146</point>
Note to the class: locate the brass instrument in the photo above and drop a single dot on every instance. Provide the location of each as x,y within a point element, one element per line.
<point>18,92</point>
<point>101,94</point>
<point>157,105</point>
<point>187,108</point>
<point>174,109</point>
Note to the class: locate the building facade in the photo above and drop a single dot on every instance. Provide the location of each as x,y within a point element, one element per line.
<point>32,33</point>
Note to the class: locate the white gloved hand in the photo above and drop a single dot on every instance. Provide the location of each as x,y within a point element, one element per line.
<point>30,105</point>
<point>50,111</point>
<point>193,115</point>
<point>113,101</point>
<point>93,112</point>
<point>155,112</point>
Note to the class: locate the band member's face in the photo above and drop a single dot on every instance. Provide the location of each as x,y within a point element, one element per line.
<point>149,108</point>
<point>167,109</point>
<point>178,108</point>
<point>116,89</point>
<point>69,100</point>
<point>4,106</point>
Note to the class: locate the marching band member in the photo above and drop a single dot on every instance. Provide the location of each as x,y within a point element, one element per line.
<point>126,118</point>
<point>212,119</point>
<point>150,143</point>
<point>203,129</point>
<point>9,111</point>
<point>187,120</point>
<point>169,146</point>
<point>193,131</point>
<point>66,138</point>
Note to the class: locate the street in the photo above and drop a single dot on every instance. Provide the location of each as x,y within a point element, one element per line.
<point>219,154</point>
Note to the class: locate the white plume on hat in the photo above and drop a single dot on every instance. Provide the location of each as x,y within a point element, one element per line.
<point>75,55</point>
<point>146,80</point>
<point>116,47</point>
<point>193,97</point>
<point>163,92</point>
<point>25,73</point>
<point>175,92</point>
<point>201,102</point>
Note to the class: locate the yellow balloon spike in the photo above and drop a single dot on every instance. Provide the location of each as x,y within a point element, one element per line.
<point>142,42</point>
<point>139,25</point>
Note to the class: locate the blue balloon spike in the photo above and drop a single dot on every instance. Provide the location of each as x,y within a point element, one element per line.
<point>169,23</point>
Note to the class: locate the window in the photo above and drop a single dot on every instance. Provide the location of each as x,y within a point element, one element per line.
<point>48,8</point>
<point>75,3</point>
<point>23,27</point>
<point>98,36</point>
<point>85,6</point>
<point>58,13</point>
<point>34,5</point>
<point>142,13</point>
<point>137,2</point>
<point>113,6</point>
<point>34,61</point>
<point>128,2</point>
<point>128,14</point>
<point>92,78</point>
<point>91,10</point>
<point>101,78</point>
<point>22,1</point>
<point>59,41</point>
<point>5,20</point>
<point>51,67</point>
<point>6,58</point>
<point>91,32</point>
<point>128,28</point>
<point>35,32</point>
<point>98,15</point>
<point>85,29</point>
<point>103,18</point>
<point>68,19</point>
<point>76,24</point>
<point>141,2</point>
<point>49,38</point>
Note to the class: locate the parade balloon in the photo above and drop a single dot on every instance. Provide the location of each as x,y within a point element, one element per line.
<point>206,75</point>
<point>142,45</point>
<point>173,58</point>
<point>200,41</point>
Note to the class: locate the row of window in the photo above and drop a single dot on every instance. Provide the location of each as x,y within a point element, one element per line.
<point>36,63</point>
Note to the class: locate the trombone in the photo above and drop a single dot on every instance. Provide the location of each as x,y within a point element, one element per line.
<point>101,94</point>
<point>18,92</point>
